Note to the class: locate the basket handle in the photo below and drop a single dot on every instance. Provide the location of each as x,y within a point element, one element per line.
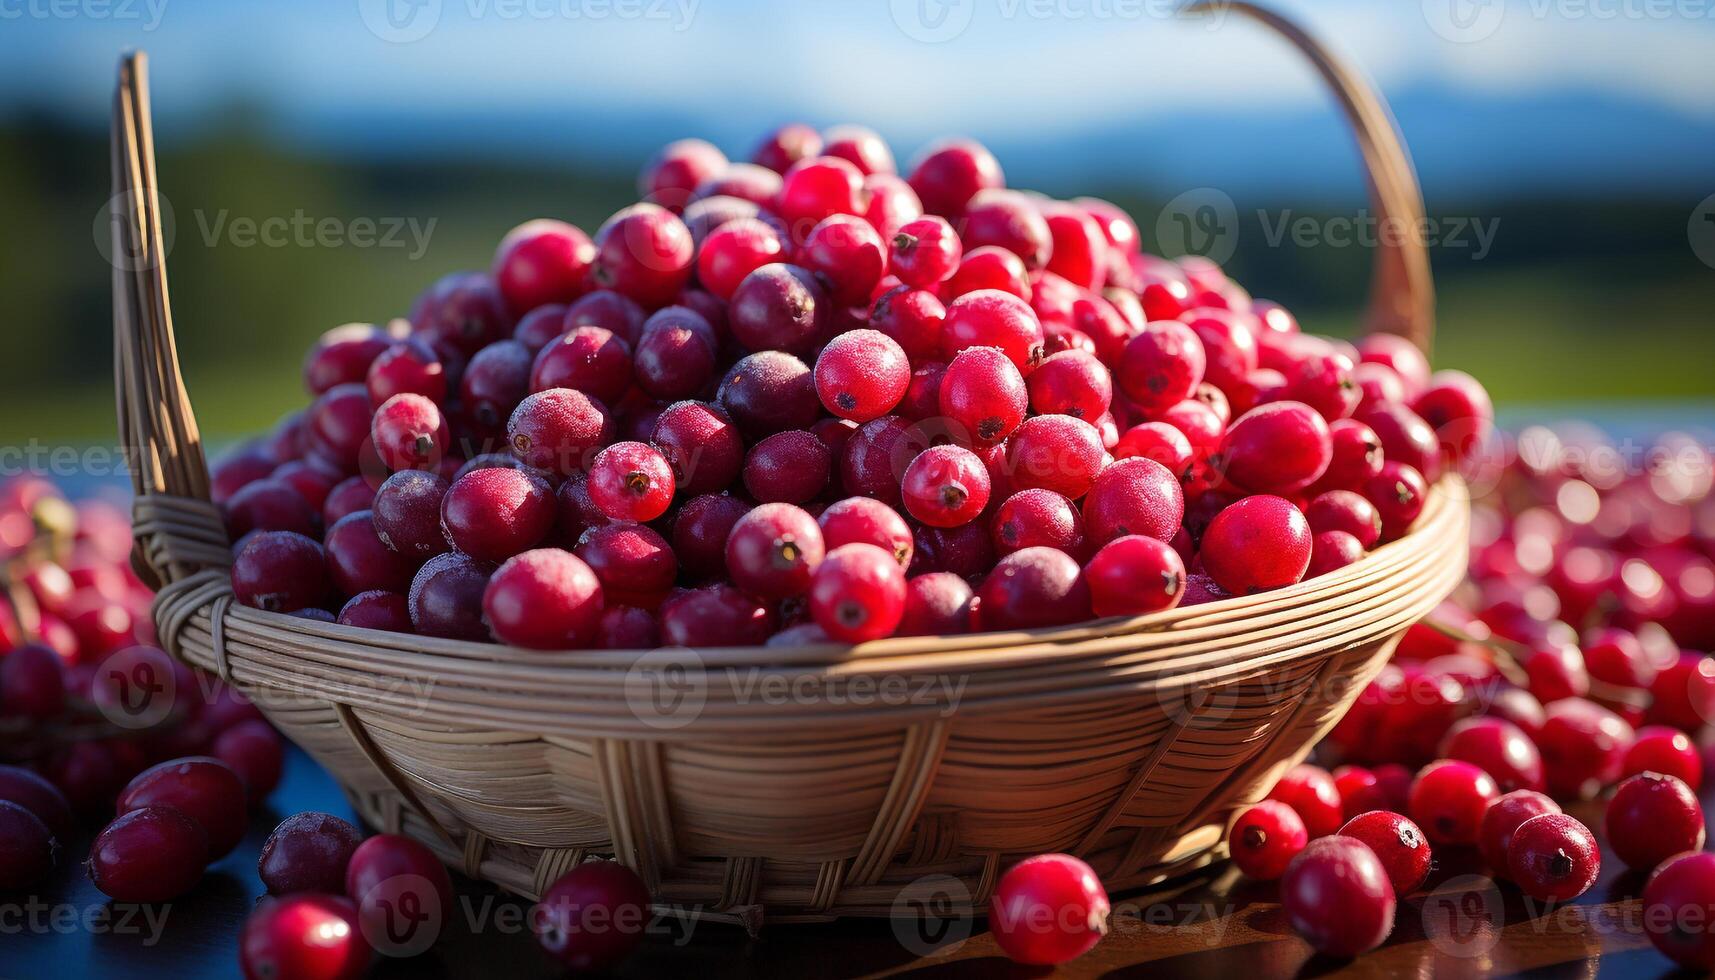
<point>178,531</point>
<point>1402,293</point>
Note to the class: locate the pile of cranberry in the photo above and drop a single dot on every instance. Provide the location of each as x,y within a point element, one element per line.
<point>805,399</point>
<point>1565,669</point>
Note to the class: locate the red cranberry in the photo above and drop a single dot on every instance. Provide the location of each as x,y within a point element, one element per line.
<point>409,432</point>
<point>1398,493</point>
<point>936,604</point>
<point>861,375</point>
<point>1010,220</point>
<point>861,520</point>
<point>538,328</point>
<point>1256,544</point>
<point>1055,452</point>
<point>984,392</point>
<point>403,892</point>
<point>644,252</point>
<point>1652,817</point>
<point>1583,745</point>
<point>359,561</point>
<point>1033,588</point>
<point>557,429</point>
<point>914,318</point>
<point>32,683</point>
<point>925,252</point>
<point>347,496</point>
<point>862,147</point>
<point>875,456</point>
<point>1337,895</point>
<point>631,481</point>
<point>1343,510</point>
<point>1556,671</point>
<point>1032,518</point>
<point>1448,800</point>
<point>446,597</point>
<point>463,311</point>
<point>769,392</point>
<point>628,628</point>
<point>1678,907</point>
<point>857,593</point>
<point>152,854</point>
<point>305,937</point>
<point>1133,496</point>
<point>496,513</point>
<point>991,318</point>
<point>632,562</point>
<point>949,174</point>
<point>1683,693</point>
<point>1398,844</point>
<point>945,486</point>
<point>407,515</point>
<point>408,367</point>
<point>593,916</point>
<point>923,395</point>
<point>676,356</point>
<point>35,794</point>
<point>1356,456</point>
<point>1668,751</point>
<point>1405,438</point>
<point>847,255</point>
<point>670,177</point>
<point>254,751</point>
<point>204,789</point>
<point>1133,575</point>
<point>773,550</point>
<point>1404,357</point>
<point>1278,448</point>
<point>1048,909</point>
<point>701,444</point>
<point>892,204</point>
<point>1157,441</point>
<point>787,467</point>
<point>545,599</point>
<point>989,267</point>
<point>541,262</point>
<point>779,307</point>
<point>1502,819</point>
<point>377,609</point>
<point>618,314</point>
<point>1079,247</point>
<point>312,478</point>
<point>735,250</point>
<point>1161,365</point>
<point>700,531</point>
<point>28,849</point>
<point>1331,551</point>
<point>342,356</point>
<point>716,616</point>
<point>592,360</point>
<point>1310,791</point>
<point>1071,383</point>
<point>269,505</point>
<point>1265,838</point>
<point>1459,409</point>
<point>815,188</point>
<point>1499,748</point>
<point>1323,380</point>
<point>1553,857</point>
<point>280,571</point>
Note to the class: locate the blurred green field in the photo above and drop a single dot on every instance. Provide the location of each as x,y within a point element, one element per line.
<point>1578,301</point>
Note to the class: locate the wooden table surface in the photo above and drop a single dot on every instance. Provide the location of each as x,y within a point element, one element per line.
<point>1215,923</point>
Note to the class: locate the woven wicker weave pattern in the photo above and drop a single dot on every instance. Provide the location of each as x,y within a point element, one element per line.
<point>799,783</point>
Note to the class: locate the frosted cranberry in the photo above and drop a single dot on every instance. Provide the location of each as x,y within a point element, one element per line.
<point>1055,452</point>
<point>592,360</point>
<point>816,188</point>
<point>1264,839</point>
<point>464,311</point>
<point>1037,518</point>
<point>545,599</point>
<point>1343,510</point>
<point>676,356</point>
<point>701,445</point>
<point>1678,907</point>
<point>409,432</point>
<point>446,597</point>
<point>735,250</point>
<point>717,616</point>
<point>1048,909</point>
<point>204,789</point>
<point>787,467</point>
<point>377,609</point>
<point>914,318</point>
<point>779,307</point>
<point>1071,383</point>
<point>1134,575</point>
<point>1405,438</point>
<point>1157,441</point>
<point>857,593</point>
<point>847,255</point>
<point>496,513</point>
<point>305,937</point>
<point>936,604</point>
<point>1683,693</point>
<point>1033,588</point>
<point>984,393</point>
<point>1448,799</point>
<point>1279,448</point>
<point>28,849</point>
<point>892,204</point>
<point>613,312</point>
<point>861,520</point>
<point>1652,817</point>
<point>1498,747</point>
<point>1362,790</point>
<point>1337,895</point>
<point>349,495</point>
<point>541,262</point>
<point>700,531</point>
<point>949,174</point>
<point>631,481</point>
<point>408,367</point>
<point>1258,543</point>
<point>861,375</point>
<point>1397,843</point>
<point>557,429</point>
<point>925,252</point>
<point>1458,408</point>
<point>1161,365</point>
<point>343,355</point>
<point>1668,751</point>
<point>1331,551</point>
<point>632,562</point>
<point>593,916</point>
<point>990,318</point>
<point>945,486</point>
<point>35,794</point>
<point>769,392</point>
<point>989,267</point>
<point>1323,380</point>
<point>358,560</point>
<point>644,252</point>
<point>1309,791</point>
<point>280,571</point>
<point>1398,493</point>
<point>1553,857</point>
<point>1010,220</point>
<point>875,456</point>
<point>1133,496</point>
<point>1502,819</point>
<point>254,751</point>
<point>149,854</point>
<point>390,873</point>
<point>1078,247</point>
<point>1202,427</point>
<point>773,550</point>
<point>407,514</point>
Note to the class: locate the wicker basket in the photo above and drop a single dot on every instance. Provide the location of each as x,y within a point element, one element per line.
<point>889,774</point>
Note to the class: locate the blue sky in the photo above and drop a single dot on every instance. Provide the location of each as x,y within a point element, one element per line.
<point>1493,93</point>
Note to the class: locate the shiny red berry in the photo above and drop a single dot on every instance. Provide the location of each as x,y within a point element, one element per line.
<point>1652,817</point>
<point>861,375</point>
<point>152,854</point>
<point>593,916</point>
<point>857,593</point>
<point>1133,575</point>
<point>773,550</point>
<point>1048,909</point>
<point>1337,895</point>
<point>945,486</point>
<point>1265,838</point>
<point>1398,843</point>
<point>1678,907</point>
<point>545,599</point>
<point>1553,857</point>
<point>1448,799</point>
